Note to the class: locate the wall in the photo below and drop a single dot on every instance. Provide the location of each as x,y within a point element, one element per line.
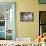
<point>42,7</point>
<point>27,29</point>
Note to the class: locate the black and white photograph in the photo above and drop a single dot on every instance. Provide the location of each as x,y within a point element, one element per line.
<point>26,16</point>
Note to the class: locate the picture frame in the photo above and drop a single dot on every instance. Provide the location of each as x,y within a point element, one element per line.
<point>42,1</point>
<point>26,16</point>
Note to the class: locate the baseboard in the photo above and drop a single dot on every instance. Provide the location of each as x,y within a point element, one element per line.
<point>24,39</point>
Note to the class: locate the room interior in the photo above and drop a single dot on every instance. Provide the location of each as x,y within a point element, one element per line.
<point>24,30</point>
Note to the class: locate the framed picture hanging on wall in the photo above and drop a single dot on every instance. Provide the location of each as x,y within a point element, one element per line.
<point>42,1</point>
<point>26,16</point>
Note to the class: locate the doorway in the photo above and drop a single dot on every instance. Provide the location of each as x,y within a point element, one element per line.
<point>7,21</point>
<point>42,22</point>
